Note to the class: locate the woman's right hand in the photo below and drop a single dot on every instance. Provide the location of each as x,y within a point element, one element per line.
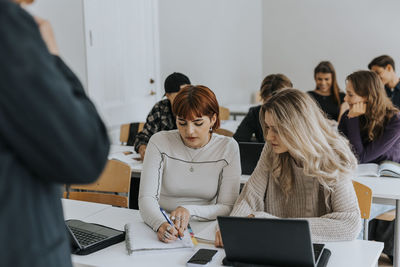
<point>218,239</point>
<point>47,34</point>
<point>167,233</point>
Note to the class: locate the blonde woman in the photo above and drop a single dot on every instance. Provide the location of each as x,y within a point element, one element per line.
<point>304,171</point>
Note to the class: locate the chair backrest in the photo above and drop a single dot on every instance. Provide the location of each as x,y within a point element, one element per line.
<point>112,187</point>
<point>129,129</point>
<point>224,132</point>
<point>224,113</point>
<point>364,196</point>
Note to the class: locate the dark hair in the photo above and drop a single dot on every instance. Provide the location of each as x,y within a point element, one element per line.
<point>196,101</point>
<point>327,67</point>
<point>272,83</point>
<point>174,82</point>
<point>379,107</point>
<point>382,61</point>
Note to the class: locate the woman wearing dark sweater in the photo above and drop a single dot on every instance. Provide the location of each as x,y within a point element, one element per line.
<point>251,123</point>
<point>372,125</point>
<point>327,92</point>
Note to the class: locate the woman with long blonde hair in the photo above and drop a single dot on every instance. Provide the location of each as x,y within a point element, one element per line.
<point>304,171</point>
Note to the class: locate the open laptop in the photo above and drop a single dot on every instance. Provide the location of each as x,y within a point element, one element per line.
<point>270,242</point>
<point>249,154</point>
<point>86,238</point>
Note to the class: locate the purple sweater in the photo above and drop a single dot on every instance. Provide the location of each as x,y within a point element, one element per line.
<point>386,147</point>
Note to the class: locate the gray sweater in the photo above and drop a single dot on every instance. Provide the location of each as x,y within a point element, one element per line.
<point>333,216</point>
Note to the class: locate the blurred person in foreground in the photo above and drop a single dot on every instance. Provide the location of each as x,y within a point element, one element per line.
<point>50,135</point>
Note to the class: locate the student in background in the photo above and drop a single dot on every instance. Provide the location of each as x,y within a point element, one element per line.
<point>327,92</point>
<point>189,172</point>
<point>372,122</point>
<point>372,125</point>
<point>50,135</point>
<point>161,117</point>
<point>304,171</point>
<point>384,67</point>
<point>251,123</point>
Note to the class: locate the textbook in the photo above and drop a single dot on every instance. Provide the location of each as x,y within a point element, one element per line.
<point>384,169</point>
<point>140,236</point>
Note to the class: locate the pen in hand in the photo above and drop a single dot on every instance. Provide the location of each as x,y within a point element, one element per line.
<point>169,221</point>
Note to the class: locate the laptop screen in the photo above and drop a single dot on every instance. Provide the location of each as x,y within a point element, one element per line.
<point>281,242</point>
<point>249,154</point>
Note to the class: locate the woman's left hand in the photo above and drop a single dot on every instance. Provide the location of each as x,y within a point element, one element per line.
<point>180,217</point>
<point>357,109</point>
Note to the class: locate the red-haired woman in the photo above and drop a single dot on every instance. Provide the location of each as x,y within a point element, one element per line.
<point>189,172</point>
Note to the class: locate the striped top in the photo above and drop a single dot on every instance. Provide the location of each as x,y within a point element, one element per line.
<point>333,216</point>
<point>205,180</point>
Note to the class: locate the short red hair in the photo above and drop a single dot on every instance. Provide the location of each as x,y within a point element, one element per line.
<point>194,101</point>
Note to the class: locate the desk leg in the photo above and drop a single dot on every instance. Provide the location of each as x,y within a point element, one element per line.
<point>396,250</point>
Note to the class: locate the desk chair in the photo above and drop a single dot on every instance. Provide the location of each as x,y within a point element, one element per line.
<point>223,132</point>
<point>128,132</point>
<point>364,196</point>
<point>115,179</point>
<point>387,216</point>
<point>224,113</point>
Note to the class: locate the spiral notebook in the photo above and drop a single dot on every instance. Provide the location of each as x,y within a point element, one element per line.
<point>140,236</point>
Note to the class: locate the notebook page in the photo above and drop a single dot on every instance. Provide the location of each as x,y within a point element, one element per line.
<point>139,237</point>
<point>368,169</point>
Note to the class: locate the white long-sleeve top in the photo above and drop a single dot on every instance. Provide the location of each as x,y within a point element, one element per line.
<point>205,181</point>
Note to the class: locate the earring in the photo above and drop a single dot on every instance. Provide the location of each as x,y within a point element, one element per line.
<point>210,129</point>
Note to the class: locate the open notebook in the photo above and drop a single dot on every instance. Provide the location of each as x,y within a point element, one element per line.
<point>384,169</point>
<point>140,236</point>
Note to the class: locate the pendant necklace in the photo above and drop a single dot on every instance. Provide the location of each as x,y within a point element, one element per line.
<point>191,169</point>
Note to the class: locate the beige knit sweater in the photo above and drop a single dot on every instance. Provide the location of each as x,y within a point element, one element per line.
<point>333,216</point>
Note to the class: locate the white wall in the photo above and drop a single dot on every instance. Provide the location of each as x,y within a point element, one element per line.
<point>66,18</point>
<point>217,43</point>
<point>230,45</point>
<point>297,35</point>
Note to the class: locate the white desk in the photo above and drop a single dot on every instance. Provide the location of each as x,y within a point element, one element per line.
<point>387,191</point>
<point>239,109</point>
<point>355,253</point>
<point>80,210</point>
<point>117,152</point>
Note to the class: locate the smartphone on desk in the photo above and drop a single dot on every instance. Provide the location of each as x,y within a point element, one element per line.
<point>201,258</point>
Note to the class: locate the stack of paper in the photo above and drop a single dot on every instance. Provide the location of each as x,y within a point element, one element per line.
<point>205,231</point>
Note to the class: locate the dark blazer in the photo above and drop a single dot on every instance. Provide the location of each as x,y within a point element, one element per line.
<point>250,125</point>
<point>50,134</point>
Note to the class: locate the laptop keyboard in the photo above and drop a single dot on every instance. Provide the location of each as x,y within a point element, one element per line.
<point>86,238</point>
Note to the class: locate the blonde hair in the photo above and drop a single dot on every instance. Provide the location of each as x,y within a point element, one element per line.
<point>312,143</point>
